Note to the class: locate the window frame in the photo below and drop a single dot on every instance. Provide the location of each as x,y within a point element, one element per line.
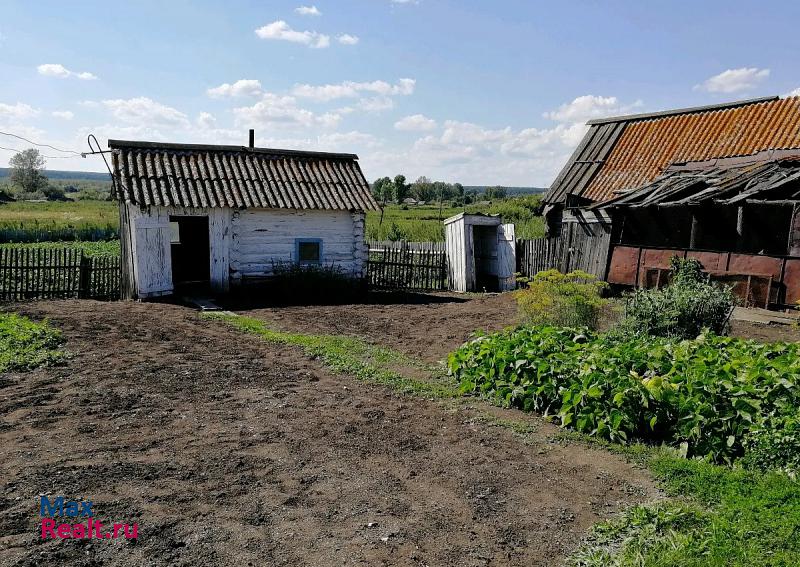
<point>298,242</point>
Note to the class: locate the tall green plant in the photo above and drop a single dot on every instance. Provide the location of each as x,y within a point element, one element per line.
<point>571,300</point>
<point>689,304</point>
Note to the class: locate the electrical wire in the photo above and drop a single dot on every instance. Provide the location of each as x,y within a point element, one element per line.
<point>46,157</point>
<point>40,145</point>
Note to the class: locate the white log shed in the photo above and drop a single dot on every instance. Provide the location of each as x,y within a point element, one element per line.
<point>481,253</point>
<point>205,216</point>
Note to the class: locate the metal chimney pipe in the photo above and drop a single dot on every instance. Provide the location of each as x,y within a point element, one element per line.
<point>252,138</point>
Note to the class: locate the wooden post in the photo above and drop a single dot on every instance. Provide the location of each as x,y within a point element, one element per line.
<point>740,228</point>
<point>794,233</point>
<point>85,277</point>
<point>694,235</point>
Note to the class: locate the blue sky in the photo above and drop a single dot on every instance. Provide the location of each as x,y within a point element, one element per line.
<point>473,91</point>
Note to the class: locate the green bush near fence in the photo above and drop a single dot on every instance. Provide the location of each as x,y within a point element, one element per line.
<point>554,298</point>
<point>689,304</point>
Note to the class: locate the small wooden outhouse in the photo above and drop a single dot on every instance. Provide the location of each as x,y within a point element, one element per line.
<point>481,253</point>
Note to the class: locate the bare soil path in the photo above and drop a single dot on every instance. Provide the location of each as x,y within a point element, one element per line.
<point>231,451</point>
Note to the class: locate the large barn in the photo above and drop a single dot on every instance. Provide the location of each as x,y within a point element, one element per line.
<point>718,183</point>
<point>209,217</point>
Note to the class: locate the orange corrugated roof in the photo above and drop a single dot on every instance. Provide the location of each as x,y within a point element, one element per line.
<point>648,146</point>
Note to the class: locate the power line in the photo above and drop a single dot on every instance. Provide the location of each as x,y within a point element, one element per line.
<point>46,157</point>
<point>40,145</point>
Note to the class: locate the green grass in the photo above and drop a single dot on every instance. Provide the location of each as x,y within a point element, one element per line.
<point>349,355</point>
<point>423,224</point>
<point>56,215</point>
<point>25,345</point>
<point>716,516</point>
<point>95,249</point>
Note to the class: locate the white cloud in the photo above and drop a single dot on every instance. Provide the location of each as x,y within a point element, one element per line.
<point>351,89</point>
<point>415,123</point>
<point>347,39</point>
<point>280,30</point>
<point>145,111</point>
<point>206,120</point>
<point>58,70</point>
<point>242,87</point>
<point>734,80</point>
<point>63,114</point>
<point>405,1</point>
<point>375,104</point>
<point>308,11</point>
<point>19,111</point>
<point>795,92</point>
<point>474,154</point>
<point>588,107</point>
<point>276,111</point>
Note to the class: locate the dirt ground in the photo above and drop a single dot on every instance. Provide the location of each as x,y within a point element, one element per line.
<point>230,451</point>
<point>432,325</point>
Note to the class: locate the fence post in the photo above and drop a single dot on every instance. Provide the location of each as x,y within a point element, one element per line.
<point>85,277</point>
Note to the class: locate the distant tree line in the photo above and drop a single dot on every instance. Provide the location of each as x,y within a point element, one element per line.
<point>387,190</point>
<point>27,180</point>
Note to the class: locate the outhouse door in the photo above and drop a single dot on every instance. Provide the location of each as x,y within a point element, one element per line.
<point>506,257</point>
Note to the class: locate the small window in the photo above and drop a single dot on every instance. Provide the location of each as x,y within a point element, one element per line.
<point>309,250</point>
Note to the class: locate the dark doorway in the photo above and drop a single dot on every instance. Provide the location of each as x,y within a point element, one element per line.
<point>485,247</point>
<point>191,259</point>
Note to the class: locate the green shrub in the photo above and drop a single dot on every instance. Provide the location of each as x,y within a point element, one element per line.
<point>308,283</point>
<point>775,445</point>
<point>682,309</point>
<point>570,300</point>
<point>24,345</point>
<point>702,396</point>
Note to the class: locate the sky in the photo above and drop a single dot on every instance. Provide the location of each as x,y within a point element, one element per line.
<point>479,92</point>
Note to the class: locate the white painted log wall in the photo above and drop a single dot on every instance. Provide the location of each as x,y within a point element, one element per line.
<point>262,237</point>
<point>243,242</point>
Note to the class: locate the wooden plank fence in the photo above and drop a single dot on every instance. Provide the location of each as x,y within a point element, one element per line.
<point>418,266</point>
<point>52,273</point>
<point>578,247</point>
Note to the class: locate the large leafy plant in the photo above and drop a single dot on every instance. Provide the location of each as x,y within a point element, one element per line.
<point>702,396</point>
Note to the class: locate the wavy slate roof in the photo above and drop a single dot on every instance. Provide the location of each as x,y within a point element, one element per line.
<point>626,152</point>
<point>184,175</point>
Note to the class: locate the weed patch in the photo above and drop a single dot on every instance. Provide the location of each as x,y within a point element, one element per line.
<point>348,355</point>
<point>717,516</point>
<point>25,345</point>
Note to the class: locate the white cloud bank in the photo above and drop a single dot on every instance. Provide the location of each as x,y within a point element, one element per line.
<point>63,114</point>
<point>18,111</point>
<point>347,39</point>
<point>146,112</point>
<point>58,70</point>
<point>734,80</point>
<point>351,89</point>
<point>415,123</point>
<point>242,87</point>
<point>281,31</point>
<point>308,11</point>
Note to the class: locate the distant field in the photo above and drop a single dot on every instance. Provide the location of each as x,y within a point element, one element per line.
<point>55,215</point>
<point>94,249</point>
<point>420,224</point>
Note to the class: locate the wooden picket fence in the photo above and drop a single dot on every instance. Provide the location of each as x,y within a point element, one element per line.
<point>52,273</point>
<point>420,266</point>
